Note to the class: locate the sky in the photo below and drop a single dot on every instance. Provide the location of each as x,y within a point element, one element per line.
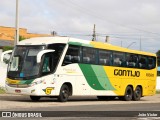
<point>133,24</point>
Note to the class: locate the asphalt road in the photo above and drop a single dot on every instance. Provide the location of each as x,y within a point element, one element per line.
<point>84,107</point>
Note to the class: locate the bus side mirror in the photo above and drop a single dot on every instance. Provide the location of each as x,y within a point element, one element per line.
<point>5,57</point>
<point>41,53</point>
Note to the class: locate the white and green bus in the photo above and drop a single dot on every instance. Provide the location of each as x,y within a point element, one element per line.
<point>63,66</point>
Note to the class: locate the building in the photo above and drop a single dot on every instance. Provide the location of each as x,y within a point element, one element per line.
<point>7,35</point>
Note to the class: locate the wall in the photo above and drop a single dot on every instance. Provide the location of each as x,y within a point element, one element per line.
<point>8,33</point>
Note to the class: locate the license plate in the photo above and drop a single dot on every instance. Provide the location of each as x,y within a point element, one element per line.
<point>18,91</point>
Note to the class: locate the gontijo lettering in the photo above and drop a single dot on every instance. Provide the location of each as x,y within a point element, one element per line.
<point>119,72</point>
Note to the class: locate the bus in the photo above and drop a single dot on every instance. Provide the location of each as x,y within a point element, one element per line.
<point>63,66</point>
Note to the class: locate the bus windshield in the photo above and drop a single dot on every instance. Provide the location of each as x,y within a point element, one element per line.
<point>23,62</point>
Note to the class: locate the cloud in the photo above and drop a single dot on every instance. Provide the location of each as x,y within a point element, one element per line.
<point>122,20</point>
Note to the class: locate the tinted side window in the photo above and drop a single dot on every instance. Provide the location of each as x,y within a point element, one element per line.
<point>158,73</point>
<point>48,66</point>
<point>118,59</point>
<point>151,62</point>
<point>57,53</point>
<point>142,62</point>
<point>105,57</point>
<point>57,47</point>
<point>72,55</point>
<point>132,60</point>
<point>89,55</point>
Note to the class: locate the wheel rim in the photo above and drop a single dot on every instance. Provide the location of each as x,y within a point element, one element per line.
<point>129,94</point>
<point>65,93</point>
<point>137,93</point>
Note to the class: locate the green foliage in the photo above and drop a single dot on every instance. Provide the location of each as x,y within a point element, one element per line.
<point>158,57</point>
<point>158,53</point>
<point>2,91</point>
<point>21,38</point>
<point>158,92</point>
<point>5,48</point>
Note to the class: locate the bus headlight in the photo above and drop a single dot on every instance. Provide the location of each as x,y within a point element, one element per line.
<point>36,83</point>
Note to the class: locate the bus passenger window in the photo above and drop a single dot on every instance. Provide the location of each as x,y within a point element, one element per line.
<point>142,62</point>
<point>67,59</point>
<point>151,62</point>
<point>72,55</point>
<point>132,60</point>
<point>105,57</point>
<point>118,59</point>
<point>89,55</point>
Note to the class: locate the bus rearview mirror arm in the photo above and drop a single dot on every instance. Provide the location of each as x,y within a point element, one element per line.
<point>41,53</point>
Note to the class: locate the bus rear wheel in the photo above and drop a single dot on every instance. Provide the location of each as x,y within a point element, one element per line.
<point>64,94</point>
<point>128,94</point>
<point>35,98</point>
<point>137,94</point>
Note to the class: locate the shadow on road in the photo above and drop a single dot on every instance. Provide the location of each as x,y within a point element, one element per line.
<point>47,99</point>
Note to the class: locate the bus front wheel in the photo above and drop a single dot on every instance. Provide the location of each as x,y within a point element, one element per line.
<point>128,94</point>
<point>64,94</point>
<point>137,93</point>
<point>35,98</point>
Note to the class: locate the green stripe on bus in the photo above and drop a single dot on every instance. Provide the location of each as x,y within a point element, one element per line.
<point>80,44</point>
<point>102,77</point>
<point>26,81</point>
<point>96,77</point>
<point>91,76</point>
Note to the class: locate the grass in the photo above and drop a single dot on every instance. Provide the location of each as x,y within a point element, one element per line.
<point>2,91</point>
<point>158,92</point>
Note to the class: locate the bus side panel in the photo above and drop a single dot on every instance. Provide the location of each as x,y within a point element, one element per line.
<point>97,79</point>
<point>72,74</point>
<point>151,87</point>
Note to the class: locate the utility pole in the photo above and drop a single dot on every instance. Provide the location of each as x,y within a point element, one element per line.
<point>107,39</point>
<point>17,25</point>
<point>94,33</point>
<point>121,43</point>
<point>140,44</point>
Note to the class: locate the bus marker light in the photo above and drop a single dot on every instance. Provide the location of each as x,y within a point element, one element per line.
<point>18,91</point>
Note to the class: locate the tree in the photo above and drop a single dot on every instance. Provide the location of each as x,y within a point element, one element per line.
<point>21,38</point>
<point>158,57</point>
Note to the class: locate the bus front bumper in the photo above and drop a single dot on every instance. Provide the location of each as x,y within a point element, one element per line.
<point>37,90</point>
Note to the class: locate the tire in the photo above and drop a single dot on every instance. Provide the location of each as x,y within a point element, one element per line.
<point>35,98</point>
<point>64,94</point>
<point>137,94</point>
<point>128,94</point>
